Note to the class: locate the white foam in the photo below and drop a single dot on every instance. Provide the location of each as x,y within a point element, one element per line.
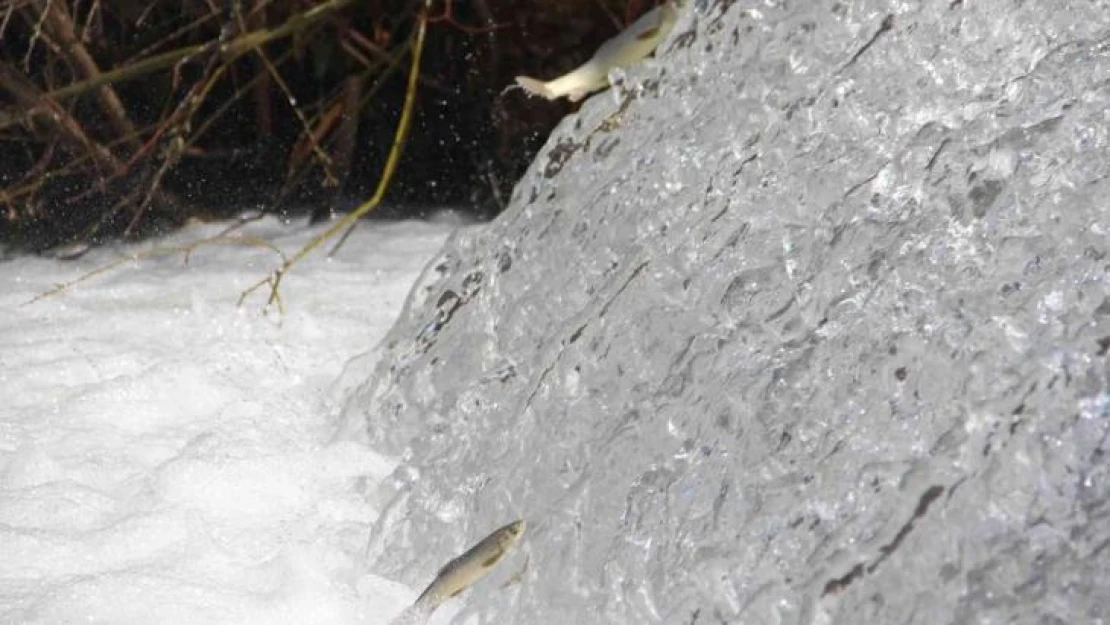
<point>166,457</point>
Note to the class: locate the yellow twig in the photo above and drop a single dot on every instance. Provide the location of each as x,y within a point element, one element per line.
<point>186,249</point>
<point>348,222</point>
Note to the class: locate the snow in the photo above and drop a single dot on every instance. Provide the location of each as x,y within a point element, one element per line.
<point>168,457</point>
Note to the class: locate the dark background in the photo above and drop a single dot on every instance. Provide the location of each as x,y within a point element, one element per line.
<point>468,144</point>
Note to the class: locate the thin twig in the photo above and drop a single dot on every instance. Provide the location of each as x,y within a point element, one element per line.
<point>448,16</point>
<point>321,155</point>
<point>274,279</point>
<point>230,50</point>
<point>186,250</point>
<point>7,18</point>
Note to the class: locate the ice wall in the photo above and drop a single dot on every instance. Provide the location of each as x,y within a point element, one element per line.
<point>808,324</point>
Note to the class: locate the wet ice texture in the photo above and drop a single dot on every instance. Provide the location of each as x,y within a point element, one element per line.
<point>813,330</point>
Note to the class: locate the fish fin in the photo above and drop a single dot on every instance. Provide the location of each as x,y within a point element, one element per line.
<point>531,86</point>
<point>415,614</point>
<point>576,95</point>
<point>492,560</point>
<point>648,34</point>
<point>519,575</point>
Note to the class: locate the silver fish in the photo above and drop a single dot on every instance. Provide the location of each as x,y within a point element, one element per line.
<point>462,572</point>
<point>629,46</point>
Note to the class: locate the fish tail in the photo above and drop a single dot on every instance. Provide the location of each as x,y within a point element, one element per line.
<point>535,87</point>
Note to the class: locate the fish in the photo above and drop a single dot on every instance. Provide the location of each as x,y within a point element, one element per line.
<point>630,45</point>
<point>462,572</point>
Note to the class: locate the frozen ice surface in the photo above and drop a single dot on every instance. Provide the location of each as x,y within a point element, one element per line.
<point>166,457</point>
<point>812,329</point>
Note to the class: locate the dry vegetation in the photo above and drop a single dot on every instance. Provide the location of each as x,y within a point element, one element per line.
<point>113,112</point>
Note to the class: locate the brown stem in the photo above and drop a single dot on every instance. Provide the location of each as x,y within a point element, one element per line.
<point>60,26</point>
<point>260,93</point>
<point>230,50</point>
<point>41,108</point>
<point>347,133</point>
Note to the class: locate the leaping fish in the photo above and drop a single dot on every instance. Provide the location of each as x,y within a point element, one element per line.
<point>629,46</point>
<point>462,572</point>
